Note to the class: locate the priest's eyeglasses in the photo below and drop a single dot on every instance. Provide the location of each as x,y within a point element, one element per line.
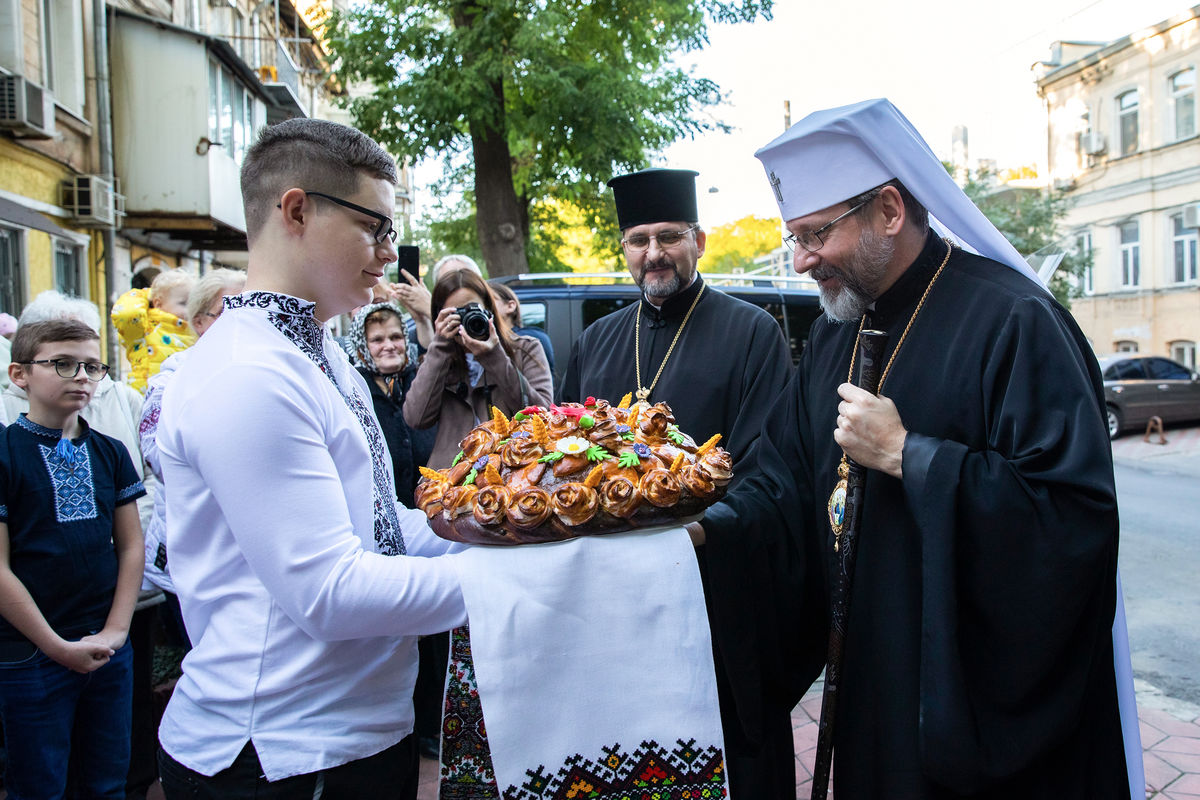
<point>66,368</point>
<point>812,241</point>
<point>665,239</point>
<point>384,229</point>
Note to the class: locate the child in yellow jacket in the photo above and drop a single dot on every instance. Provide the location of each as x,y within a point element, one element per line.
<point>152,323</point>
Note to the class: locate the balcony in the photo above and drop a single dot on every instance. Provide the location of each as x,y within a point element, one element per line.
<point>185,107</point>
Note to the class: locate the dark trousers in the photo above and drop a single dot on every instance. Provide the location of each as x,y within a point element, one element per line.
<point>44,703</point>
<point>390,774</point>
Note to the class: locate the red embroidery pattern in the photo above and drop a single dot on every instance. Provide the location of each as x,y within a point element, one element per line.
<point>650,772</point>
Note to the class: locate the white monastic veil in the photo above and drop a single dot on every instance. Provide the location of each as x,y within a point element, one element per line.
<point>835,154</point>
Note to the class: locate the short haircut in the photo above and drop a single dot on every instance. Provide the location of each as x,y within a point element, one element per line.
<point>210,287</point>
<point>916,212</point>
<point>30,337</point>
<point>310,154</point>
<point>50,305</point>
<point>467,261</point>
<point>170,279</point>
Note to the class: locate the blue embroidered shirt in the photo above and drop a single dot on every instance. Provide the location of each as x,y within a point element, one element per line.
<point>58,498</point>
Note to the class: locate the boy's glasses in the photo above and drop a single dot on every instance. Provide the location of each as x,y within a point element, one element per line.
<point>66,368</point>
<point>384,230</point>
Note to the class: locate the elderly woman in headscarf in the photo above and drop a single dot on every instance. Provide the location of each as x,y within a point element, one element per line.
<point>384,356</point>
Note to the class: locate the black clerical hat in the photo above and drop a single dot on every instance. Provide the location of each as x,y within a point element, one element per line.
<point>655,195</point>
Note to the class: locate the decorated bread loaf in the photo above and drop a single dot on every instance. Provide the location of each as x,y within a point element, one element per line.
<point>572,470</point>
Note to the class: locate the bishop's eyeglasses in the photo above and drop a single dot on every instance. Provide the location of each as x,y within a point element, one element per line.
<point>812,241</point>
<point>69,368</point>
<point>665,239</point>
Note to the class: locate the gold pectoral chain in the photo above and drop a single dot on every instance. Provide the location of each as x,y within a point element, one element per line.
<point>837,498</point>
<point>643,393</point>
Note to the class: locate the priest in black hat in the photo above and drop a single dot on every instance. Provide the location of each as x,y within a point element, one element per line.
<point>718,362</point>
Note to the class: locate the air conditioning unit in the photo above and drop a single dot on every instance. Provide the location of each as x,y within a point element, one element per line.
<point>1093,143</point>
<point>1191,215</point>
<point>26,109</point>
<point>92,201</point>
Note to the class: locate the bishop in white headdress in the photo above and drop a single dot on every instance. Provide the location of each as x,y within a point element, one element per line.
<point>980,657</point>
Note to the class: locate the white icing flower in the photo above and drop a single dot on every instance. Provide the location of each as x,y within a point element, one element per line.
<point>572,445</point>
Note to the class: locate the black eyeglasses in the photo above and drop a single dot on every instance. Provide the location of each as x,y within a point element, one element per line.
<point>384,230</point>
<point>66,368</point>
<point>812,241</point>
<point>665,239</point>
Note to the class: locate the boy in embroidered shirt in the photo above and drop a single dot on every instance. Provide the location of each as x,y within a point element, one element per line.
<point>70,569</point>
<point>302,582</point>
<point>152,323</point>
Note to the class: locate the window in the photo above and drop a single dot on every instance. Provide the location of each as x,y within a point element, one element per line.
<point>1162,369</point>
<point>1127,369</point>
<point>62,52</point>
<point>191,15</point>
<point>12,287</point>
<point>230,112</point>
<point>1127,122</point>
<point>1182,88</point>
<point>1130,255</point>
<point>533,315</point>
<point>12,58</point>
<point>1183,244</point>
<point>595,308</point>
<point>1083,249</point>
<point>1185,353</point>
<point>68,275</point>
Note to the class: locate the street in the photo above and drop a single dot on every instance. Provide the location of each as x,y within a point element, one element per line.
<point>1160,559</point>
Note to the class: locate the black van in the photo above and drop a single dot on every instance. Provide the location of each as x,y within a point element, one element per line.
<point>563,304</point>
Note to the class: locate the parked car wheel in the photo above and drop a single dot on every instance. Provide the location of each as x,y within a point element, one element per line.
<point>1114,422</point>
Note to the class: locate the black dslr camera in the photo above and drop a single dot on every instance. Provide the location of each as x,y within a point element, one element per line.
<point>475,319</point>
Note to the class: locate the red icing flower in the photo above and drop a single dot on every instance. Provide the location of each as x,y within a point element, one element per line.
<point>574,412</point>
<point>589,402</point>
<point>529,411</point>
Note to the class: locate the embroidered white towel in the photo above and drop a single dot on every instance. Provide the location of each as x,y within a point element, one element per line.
<point>594,664</point>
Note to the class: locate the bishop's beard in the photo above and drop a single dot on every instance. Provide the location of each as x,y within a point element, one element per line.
<point>860,277</point>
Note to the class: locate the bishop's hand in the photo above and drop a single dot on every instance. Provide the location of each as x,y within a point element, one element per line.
<point>870,430</point>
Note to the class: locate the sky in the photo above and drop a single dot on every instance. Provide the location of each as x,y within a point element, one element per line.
<point>941,62</point>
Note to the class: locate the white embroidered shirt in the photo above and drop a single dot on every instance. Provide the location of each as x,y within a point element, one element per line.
<point>280,504</point>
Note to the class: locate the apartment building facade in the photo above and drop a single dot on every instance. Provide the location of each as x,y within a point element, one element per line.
<point>123,125</point>
<point>1123,138</point>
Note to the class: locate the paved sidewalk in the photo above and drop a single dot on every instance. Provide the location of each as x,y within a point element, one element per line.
<point>1180,454</point>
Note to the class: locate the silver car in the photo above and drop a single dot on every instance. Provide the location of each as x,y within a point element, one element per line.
<point>1137,388</point>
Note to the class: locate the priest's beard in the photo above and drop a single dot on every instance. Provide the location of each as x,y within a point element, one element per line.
<point>660,287</point>
<point>860,279</point>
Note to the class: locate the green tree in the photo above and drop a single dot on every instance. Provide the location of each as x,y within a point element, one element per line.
<point>737,244</point>
<point>1031,219</point>
<point>549,98</point>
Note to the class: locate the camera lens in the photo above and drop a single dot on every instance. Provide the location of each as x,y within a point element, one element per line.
<point>475,320</point>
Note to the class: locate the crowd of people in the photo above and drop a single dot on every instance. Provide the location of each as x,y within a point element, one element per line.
<point>262,475</point>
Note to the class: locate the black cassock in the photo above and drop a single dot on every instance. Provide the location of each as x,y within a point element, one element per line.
<point>727,369</point>
<point>979,659</point>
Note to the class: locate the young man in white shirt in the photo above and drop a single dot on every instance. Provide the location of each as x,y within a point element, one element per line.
<point>287,546</point>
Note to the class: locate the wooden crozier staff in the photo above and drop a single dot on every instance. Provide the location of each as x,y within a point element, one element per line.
<point>845,514</point>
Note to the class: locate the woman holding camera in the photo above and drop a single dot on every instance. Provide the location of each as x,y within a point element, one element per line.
<point>474,362</point>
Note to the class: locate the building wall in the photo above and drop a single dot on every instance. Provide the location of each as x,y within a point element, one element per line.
<point>1114,190</point>
<point>29,174</point>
